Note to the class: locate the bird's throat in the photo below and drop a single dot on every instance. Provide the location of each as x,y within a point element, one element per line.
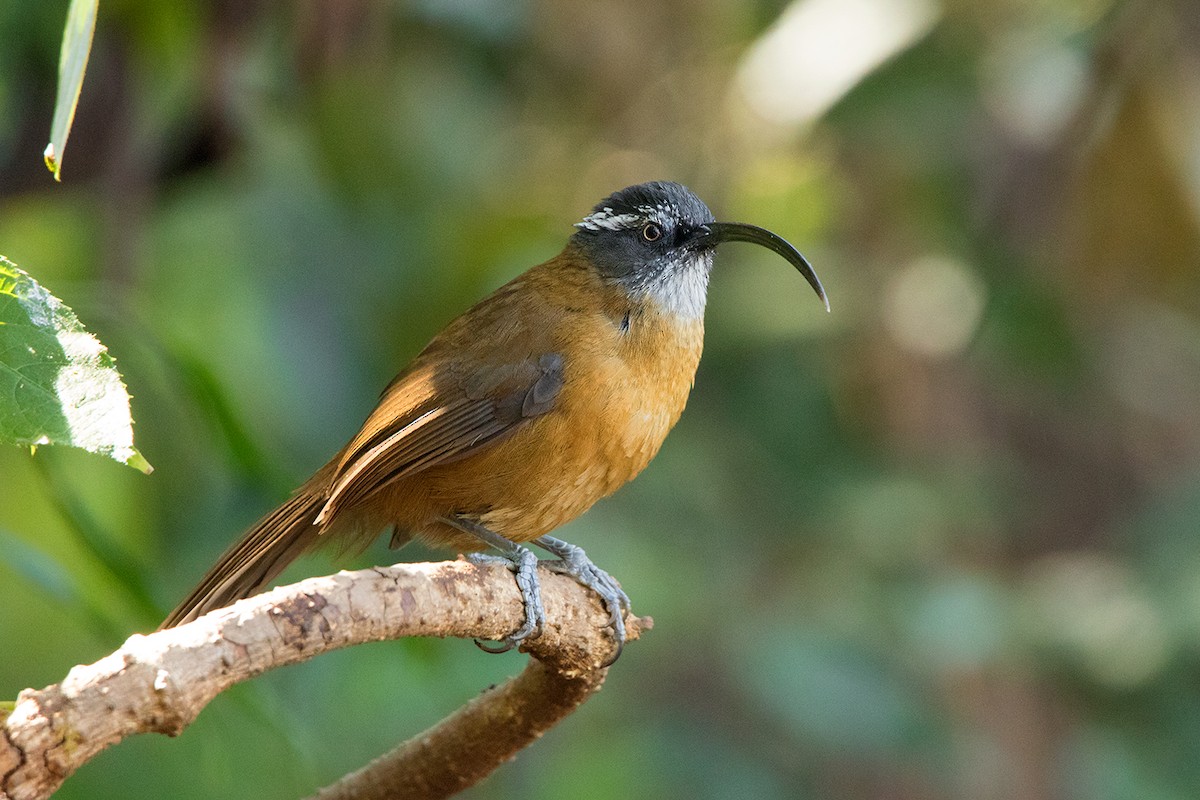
<point>680,291</point>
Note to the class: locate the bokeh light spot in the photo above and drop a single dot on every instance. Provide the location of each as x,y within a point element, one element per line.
<point>820,49</point>
<point>933,306</point>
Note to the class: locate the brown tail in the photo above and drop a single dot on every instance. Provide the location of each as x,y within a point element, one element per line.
<point>273,543</point>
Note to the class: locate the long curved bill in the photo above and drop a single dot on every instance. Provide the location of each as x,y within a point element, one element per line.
<point>718,232</point>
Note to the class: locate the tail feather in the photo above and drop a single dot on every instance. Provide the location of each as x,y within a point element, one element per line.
<point>256,559</point>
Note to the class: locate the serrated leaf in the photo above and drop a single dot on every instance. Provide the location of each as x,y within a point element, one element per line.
<point>72,63</point>
<point>58,384</point>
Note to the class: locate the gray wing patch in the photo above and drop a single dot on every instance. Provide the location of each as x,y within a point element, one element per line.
<point>530,389</point>
<point>541,396</point>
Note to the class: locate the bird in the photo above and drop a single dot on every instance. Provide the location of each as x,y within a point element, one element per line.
<point>547,395</point>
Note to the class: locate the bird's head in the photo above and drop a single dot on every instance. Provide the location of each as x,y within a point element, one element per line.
<point>657,239</point>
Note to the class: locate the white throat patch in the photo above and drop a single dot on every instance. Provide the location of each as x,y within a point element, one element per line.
<point>681,291</point>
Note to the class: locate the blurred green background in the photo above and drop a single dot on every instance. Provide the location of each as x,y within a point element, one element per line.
<point>942,543</point>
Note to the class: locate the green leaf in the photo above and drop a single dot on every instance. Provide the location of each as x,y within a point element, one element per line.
<point>72,63</point>
<point>58,384</point>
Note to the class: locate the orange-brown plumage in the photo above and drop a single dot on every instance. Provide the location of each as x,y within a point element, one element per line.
<point>629,383</point>
<point>549,394</point>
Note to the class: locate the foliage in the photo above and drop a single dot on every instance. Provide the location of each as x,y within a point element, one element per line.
<point>58,384</point>
<point>76,46</point>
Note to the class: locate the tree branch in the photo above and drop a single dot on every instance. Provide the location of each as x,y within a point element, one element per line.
<point>159,683</point>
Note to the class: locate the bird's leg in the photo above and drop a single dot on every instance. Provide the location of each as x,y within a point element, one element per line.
<point>574,562</point>
<point>523,562</point>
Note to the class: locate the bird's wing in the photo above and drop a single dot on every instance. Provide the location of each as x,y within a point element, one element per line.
<point>432,416</point>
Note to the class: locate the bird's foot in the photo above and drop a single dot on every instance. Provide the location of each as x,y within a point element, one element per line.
<point>571,561</point>
<point>523,563</point>
<point>574,562</point>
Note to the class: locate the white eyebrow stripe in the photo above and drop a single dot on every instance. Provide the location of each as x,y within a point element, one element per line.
<point>662,212</point>
<point>607,219</point>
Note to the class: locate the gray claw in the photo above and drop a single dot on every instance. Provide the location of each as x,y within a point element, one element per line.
<point>523,563</point>
<point>571,561</point>
<point>574,562</point>
<point>504,647</point>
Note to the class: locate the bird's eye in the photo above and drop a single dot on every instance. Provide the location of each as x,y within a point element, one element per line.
<point>651,232</point>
